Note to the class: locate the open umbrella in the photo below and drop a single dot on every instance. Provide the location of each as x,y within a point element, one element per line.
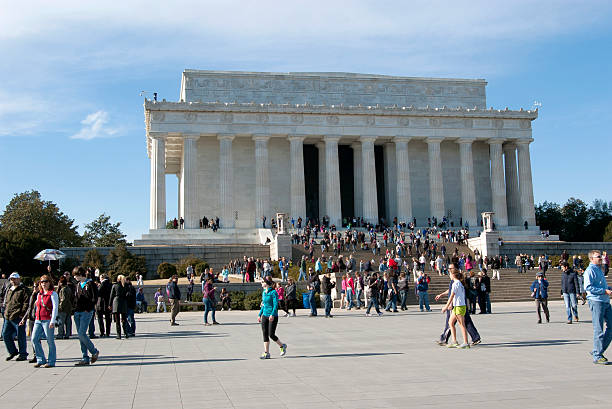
<point>49,254</point>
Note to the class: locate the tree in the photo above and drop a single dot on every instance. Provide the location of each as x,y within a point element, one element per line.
<point>608,233</point>
<point>549,217</point>
<point>121,261</point>
<point>28,214</point>
<point>600,214</point>
<point>102,233</point>
<point>93,258</point>
<point>17,251</point>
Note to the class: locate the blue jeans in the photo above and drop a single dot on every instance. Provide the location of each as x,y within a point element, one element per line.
<point>311,300</point>
<point>349,298</point>
<point>208,307</point>
<point>392,303</point>
<point>488,301</point>
<point>131,322</point>
<point>373,303</point>
<point>42,328</point>
<point>9,328</point>
<point>424,300</point>
<point>285,275</point>
<point>358,298</point>
<point>571,305</point>
<point>82,320</point>
<point>601,312</point>
<point>403,298</point>
<point>92,327</point>
<point>64,324</point>
<point>328,304</point>
<point>302,275</point>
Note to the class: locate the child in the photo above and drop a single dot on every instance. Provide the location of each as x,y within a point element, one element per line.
<point>226,300</point>
<point>159,299</point>
<point>457,300</point>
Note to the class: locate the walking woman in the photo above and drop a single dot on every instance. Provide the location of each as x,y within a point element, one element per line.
<point>47,302</point>
<point>208,298</point>
<point>457,304</point>
<point>291,295</point>
<point>119,302</point>
<point>268,317</point>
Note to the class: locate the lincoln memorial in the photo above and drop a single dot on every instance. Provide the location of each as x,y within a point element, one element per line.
<point>244,145</point>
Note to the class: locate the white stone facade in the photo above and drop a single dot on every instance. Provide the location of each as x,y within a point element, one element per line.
<point>236,142</point>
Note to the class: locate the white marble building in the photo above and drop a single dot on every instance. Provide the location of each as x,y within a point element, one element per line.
<point>244,144</point>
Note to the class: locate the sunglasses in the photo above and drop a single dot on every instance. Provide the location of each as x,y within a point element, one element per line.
<point>44,281</point>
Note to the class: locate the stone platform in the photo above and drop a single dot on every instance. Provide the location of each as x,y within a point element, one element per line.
<point>175,237</point>
<point>350,361</point>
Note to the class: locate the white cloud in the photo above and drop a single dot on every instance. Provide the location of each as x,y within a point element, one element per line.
<point>94,126</point>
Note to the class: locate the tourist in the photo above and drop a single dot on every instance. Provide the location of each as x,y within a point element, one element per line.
<point>46,308</point>
<point>268,317</point>
<point>539,291</point>
<point>159,299</point>
<point>118,300</point>
<point>225,274</point>
<point>190,286</point>
<point>226,300</point>
<point>283,266</point>
<point>403,288</point>
<point>314,286</point>
<point>598,294</point>
<point>103,306</point>
<point>326,289</point>
<point>64,315</point>
<point>291,295</point>
<point>580,274</point>
<point>250,270</point>
<point>469,324</point>
<point>496,266</point>
<point>457,301</point>
<point>84,306</point>
<point>359,285</point>
<point>605,263</point>
<point>130,298</point>
<point>302,275</point>
<point>141,302</point>
<point>174,295</point>
<point>208,298</point>
<point>30,318</point>
<point>374,287</point>
<point>472,291</point>
<point>484,291</point>
<point>393,292</point>
<point>281,298</point>
<point>343,292</point>
<point>350,292</point>
<point>422,288</point>
<point>15,309</point>
<point>569,289</point>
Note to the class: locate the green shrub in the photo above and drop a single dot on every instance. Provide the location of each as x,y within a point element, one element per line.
<point>237,300</point>
<point>200,267</point>
<point>181,265</point>
<point>166,270</point>
<point>252,301</point>
<point>121,261</point>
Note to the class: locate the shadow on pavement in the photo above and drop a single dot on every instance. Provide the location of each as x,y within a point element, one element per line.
<point>345,355</point>
<point>543,343</point>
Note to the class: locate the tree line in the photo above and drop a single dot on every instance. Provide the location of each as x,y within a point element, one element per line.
<point>575,220</point>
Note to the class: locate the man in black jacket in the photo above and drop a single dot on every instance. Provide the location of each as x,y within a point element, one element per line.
<point>314,286</point>
<point>103,307</point>
<point>130,298</point>
<point>174,295</point>
<point>326,289</point>
<point>484,289</point>
<point>373,290</point>
<point>16,306</point>
<point>85,302</point>
<point>569,289</point>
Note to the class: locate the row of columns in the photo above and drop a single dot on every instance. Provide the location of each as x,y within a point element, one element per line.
<point>511,187</point>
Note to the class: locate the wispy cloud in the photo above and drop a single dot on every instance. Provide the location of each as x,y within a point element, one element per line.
<point>95,126</point>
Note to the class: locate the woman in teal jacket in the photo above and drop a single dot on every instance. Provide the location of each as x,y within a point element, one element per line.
<point>268,316</point>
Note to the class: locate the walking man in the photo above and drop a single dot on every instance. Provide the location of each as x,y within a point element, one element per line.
<point>16,305</point>
<point>598,294</point>
<point>174,295</point>
<point>326,288</point>
<point>84,307</point>
<point>569,290</point>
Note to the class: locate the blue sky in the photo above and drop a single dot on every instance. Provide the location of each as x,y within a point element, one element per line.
<point>72,123</point>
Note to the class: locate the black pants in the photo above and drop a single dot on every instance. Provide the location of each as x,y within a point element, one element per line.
<point>268,328</point>
<point>469,326</point>
<point>104,329</point>
<point>282,304</point>
<point>542,303</point>
<point>482,302</point>
<point>120,320</point>
<point>472,303</point>
<point>226,303</point>
<point>291,304</point>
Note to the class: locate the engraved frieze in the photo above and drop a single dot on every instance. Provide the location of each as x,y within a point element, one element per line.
<point>332,119</point>
<point>525,124</point>
<point>159,116</point>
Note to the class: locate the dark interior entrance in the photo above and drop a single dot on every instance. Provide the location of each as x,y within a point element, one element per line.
<point>311,181</point>
<point>379,157</point>
<point>345,163</point>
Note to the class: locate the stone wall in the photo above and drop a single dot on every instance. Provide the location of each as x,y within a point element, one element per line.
<point>215,255</point>
<point>552,248</point>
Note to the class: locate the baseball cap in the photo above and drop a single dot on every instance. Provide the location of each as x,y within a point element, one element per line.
<point>14,275</point>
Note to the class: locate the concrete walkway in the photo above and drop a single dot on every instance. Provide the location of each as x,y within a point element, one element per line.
<point>347,362</point>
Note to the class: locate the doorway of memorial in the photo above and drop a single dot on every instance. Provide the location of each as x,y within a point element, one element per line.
<point>347,181</point>
<point>379,158</point>
<point>311,182</point>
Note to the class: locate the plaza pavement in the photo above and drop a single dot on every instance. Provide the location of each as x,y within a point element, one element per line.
<point>347,362</point>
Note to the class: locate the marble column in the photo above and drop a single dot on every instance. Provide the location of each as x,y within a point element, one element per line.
<point>370,197</point>
<point>158,183</point>
<point>498,186</point>
<point>180,194</point>
<point>189,178</point>
<point>322,179</point>
<point>436,183</point>
<point>332,176</point>
<point>469,213</point>
<point>402,163</point>
<point>298,194</point>
<point>357,179</point>
<point>512,189</point>
<point>226,181</point>
<point>525,182</point>
<point>262,181</point>
<point>390,181</point>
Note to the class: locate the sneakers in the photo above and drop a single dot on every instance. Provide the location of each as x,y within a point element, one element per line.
<point>601,361</point>
<point>11,356</point>
<point>22,358</point>
<point>380,314</point>
<point>367,315</point>
<point>464,346</point>
<point>455,345</point>
<point>283,350</point>
<point>265,355</point>
<point>569,322</point>
<point>293,315</point>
